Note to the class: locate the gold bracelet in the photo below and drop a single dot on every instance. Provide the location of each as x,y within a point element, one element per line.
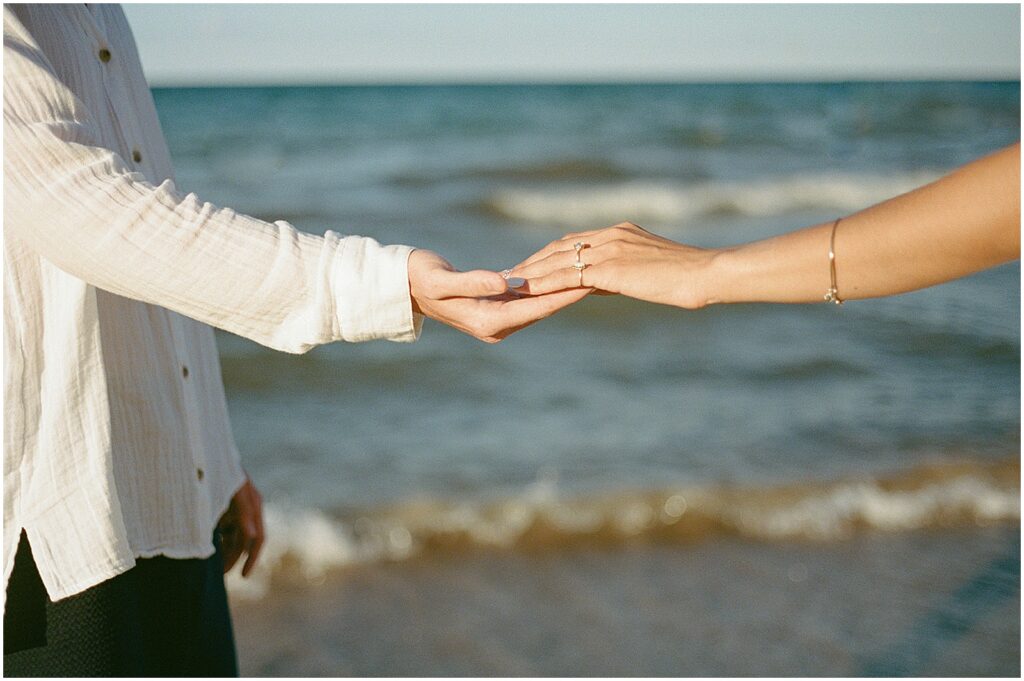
<point>832,295</point>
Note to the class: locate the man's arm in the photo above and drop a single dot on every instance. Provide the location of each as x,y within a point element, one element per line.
<point>79,206</point>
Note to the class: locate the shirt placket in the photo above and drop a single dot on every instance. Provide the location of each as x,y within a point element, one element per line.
<point>190,405</point>
<point>128,132</point>
<point>114,89</point>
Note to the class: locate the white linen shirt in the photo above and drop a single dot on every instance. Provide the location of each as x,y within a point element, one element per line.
<point>117,443</point>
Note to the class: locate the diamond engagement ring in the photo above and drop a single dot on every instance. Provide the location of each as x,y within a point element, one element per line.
<point>505,274</point>
<point>579,265</point>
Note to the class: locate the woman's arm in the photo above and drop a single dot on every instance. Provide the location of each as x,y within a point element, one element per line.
<point>964,222</point>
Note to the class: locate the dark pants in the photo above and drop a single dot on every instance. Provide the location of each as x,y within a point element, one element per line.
<point>164,617</point>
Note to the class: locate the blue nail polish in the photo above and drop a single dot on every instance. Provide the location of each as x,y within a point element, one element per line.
<point>516,282</point>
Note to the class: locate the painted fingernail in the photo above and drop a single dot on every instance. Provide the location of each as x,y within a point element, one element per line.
<point>516,282</point>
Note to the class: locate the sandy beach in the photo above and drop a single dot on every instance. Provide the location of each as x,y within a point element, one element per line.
<point>873,605</point>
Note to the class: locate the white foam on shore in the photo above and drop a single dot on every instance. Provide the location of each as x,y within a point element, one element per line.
<point>673,203</point>
<point>309,543</point>
<point>838,513</point>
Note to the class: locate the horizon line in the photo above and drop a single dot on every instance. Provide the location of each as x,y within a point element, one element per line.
<point>298,83</point>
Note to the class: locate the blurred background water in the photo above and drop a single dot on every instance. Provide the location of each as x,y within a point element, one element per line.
<point>618,420</point>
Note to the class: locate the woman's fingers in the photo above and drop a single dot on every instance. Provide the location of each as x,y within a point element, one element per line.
<point>556,260</point>
<point>558,280</point>
<point>558,246</point>
<point>475,284</point>
<point>591,238</point>
<point>557,271</point>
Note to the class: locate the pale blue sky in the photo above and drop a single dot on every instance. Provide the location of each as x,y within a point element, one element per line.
<point>457,43</point>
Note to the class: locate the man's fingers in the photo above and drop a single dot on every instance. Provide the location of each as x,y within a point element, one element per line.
<point>253,530</point>
<point>491,318</point>
<point>582,293</point>
<point>231,549</point>
<point>525,311</point>
<point>241,529</point>
<point>254,553</point>
<point>259,514</point>
<point>475,284</point>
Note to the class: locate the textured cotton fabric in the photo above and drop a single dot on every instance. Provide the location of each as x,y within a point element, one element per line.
<point>116,441</point>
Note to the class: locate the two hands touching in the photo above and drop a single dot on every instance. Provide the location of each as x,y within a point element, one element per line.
<point>491,306</point>
<point>480,303</point>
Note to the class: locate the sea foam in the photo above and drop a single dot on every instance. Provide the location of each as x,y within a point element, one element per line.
<point>308,543</point>
<point>663,202</point>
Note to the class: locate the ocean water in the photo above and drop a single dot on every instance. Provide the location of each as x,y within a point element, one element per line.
<point>616,426</point>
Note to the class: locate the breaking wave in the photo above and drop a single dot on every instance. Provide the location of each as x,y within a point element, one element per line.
<point>308,543</point>
<point>667,203</point>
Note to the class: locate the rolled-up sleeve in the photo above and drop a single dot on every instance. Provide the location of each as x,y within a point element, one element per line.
<point>78,205</point>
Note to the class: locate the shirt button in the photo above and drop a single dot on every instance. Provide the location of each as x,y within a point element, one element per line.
<point>184,371</point>
<point>104,55</point>
<point>199,474</point>
<point>136,155</point>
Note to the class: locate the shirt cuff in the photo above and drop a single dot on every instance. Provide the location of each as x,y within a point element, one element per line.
<point>371,292</point>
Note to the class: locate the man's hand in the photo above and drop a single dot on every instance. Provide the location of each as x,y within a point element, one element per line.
<point>479,302</point>
<point>241,528</point>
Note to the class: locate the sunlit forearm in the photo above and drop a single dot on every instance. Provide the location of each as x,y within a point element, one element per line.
<point>964,222</point>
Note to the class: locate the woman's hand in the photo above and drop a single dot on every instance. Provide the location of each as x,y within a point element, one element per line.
<point>624,259</point>
<point>962,223</point>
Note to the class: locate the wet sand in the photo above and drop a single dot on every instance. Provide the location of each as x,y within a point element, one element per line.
<point>930,603</point>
